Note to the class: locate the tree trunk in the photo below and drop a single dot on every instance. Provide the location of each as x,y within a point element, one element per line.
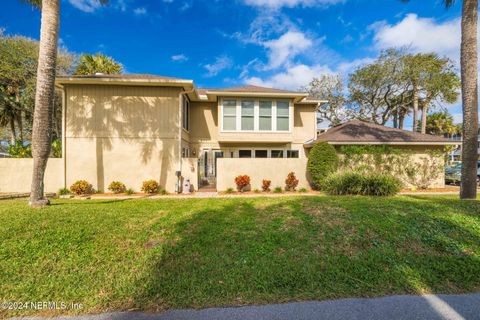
<point>424,117</point>
<point>469,61</point>
<point>415,107</point>
<point>20,126</point>
<point>45,90</point>
<point>12,131</point>
<point>401,119</point>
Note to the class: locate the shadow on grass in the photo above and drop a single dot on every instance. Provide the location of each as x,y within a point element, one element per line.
<point>251,252</point>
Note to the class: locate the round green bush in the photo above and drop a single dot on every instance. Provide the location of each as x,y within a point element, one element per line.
<point>355,183</point>
<point>117,187</point>
<point>322,161</point>
<point>81,187</point>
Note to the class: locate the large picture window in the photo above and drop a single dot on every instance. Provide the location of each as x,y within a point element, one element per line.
<point>229,115</point>
<point>265,116</point>
<point>248,115</point>
<point>283,116</point>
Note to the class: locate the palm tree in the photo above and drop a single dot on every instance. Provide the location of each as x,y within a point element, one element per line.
<point>44,95</point>
<point>45,91</point>
<point>98,63</point>
<point>469,71</point>
<point>469,66</point>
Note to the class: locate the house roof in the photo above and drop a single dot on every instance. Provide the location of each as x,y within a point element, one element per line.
<point>361,132</point>
<point>253,91</point>
<point>133,79</point>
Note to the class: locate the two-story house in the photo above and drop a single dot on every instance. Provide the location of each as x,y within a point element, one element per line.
<point>131,128</point>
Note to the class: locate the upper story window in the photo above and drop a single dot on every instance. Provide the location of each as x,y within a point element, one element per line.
<point>265,116</point>
<point>248,116</point>
<point>229,114</point>
<point>186,114</point>
<point>283,116</point>
<point>256,115</point>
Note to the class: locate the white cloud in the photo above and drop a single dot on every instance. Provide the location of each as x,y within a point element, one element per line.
<point>421,35</point>
<point>293,77</point>
<point>168,1</point>
<point>221,63</point>
<point>179,57</point>
<point>276,4</point>
<point>140,11</point>
<point>286,48</point>
<point>185,6</point>
<point>85,5</point>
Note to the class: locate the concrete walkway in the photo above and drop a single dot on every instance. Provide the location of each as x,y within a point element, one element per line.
<point>427,307</point>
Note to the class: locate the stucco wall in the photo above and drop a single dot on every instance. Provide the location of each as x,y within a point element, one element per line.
<point>16,175</point>
<point>275,170</point>
<point>122,133</point>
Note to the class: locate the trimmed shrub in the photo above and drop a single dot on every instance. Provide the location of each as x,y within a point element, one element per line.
<point>303,190</point>
<point>278,190</point>
<point>63,192</point>
<point>242,182</point>
<point>229,191</point>
<point>322,161</point>
<point>291,182</point>
<point>81,187</point>
<point>117,187</point>
<point>129,191</point>
<point>150,186</point>
<point>355,183</point>
<point>266,185</point>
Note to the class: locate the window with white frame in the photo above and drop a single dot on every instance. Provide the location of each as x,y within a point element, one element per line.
<point>229,115</point>
<point>265,116</point>
<point>256,115</point>
<point>283,116</point>
<point>248,115</point>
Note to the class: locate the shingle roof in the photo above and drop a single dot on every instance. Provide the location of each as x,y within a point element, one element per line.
<point>130,76</point>
<point>360,132</point>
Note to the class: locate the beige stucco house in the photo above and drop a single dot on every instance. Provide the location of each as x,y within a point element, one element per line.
<point>131,128</point>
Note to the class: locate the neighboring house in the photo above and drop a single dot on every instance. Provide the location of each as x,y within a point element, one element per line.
<point>358,132</point>
<point>456,155</point>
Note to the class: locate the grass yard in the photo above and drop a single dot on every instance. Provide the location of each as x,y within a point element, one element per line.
<point>168,253</point>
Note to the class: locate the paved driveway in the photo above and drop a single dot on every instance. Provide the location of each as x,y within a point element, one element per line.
<point>391,308</point>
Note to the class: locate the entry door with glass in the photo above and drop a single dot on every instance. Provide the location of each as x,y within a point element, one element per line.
<point>208,165</point>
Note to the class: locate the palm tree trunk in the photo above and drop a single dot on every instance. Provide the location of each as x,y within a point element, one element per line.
<point>469,61</point>
<point>12,131</point>
<point>415,107</point>
<point>45,90</point>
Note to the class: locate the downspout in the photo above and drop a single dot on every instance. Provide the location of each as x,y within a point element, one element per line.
<point>180,128</point>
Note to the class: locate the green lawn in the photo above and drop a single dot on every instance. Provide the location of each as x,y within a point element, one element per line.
<point>157,254</point>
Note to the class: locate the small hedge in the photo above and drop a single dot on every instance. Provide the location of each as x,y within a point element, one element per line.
<point>150,186</point>
<point>117,187</point>
<point>354,183</point>
<point>322,161</point>
<point>81,187</point>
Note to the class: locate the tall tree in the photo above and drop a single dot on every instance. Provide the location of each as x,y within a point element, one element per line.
<point>44,96</point>
<point>469,73</point>
<point>45,91</point>
<point>98,63</point>
<point>469,66</point>
<point>330,88</point>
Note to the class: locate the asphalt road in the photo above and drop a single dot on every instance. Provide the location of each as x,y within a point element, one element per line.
<point>392,308</point>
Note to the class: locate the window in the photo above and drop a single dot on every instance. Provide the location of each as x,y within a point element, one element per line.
<point>245,153</point>
<point>277,153</point>
<point>229,115</point>
<point>248,117</point>
<point>283,113</point>
<point>265,113</point>
<point>185,153</point>
<point>261,154</point>
<point>292,154</point>
<point>186,113</point>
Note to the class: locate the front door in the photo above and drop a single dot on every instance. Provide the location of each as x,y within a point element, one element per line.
<point>208,167</point>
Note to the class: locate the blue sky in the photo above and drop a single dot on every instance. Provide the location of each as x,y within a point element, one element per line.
<point>218,43</point>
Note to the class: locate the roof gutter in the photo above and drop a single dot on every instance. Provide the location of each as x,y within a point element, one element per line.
<point>310,145</point>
